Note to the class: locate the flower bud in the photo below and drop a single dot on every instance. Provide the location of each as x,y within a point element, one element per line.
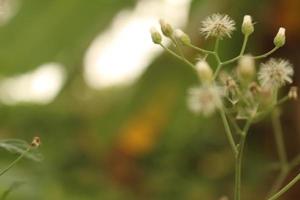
<point>279,39</point>
<point>205,73</point>
<point>36,142</point>
<point>246,68</point>
<point>166,28</point>
<point>293,93</point>
<point>254,88</point>
<point>247,26</point>
<point>182,37</point>
<point>156,36</point>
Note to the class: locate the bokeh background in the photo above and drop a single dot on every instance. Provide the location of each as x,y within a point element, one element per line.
<point>110,107</point>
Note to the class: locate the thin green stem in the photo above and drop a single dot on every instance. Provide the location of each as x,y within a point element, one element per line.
<point>200,49</point>
<point>278,133</point>
<point>216,48</point>
<point>238,168</point>
<point>244,45</point>
<point>260,115</point>
<point>285,188</point>
<point>239,158</point>
<point>279,181</point>
<point>228,132</point>
<point>284,172</point>
<point>235,125</point>
<point>178,47</point>
<point>266,54</point>
<point>220,63</point>
<point>14,162</point>
<point>217,71</point>
<point>295,162</point>
<point>177,56</point>
<point>284,165</point>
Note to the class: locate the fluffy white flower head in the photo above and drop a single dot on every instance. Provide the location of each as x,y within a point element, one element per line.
<point>204,99</point>
<point>275,73</point>
<point>218,26</point>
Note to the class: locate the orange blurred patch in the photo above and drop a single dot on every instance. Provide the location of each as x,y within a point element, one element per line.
<point>286,12</point>
<point>139,134</point>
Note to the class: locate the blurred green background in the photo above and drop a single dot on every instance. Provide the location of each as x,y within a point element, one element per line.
<point>133,139</point>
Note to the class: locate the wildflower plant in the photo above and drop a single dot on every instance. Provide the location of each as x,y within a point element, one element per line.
<point>242,96</point>
<point>22,148</point>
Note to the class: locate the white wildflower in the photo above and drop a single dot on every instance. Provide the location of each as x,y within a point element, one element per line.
<point>275,73</point>
<point>218,26</point>
<point>204,99</point>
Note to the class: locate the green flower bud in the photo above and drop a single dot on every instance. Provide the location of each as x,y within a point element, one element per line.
<point>247,26</point>
<point>166,28</point>
<point>182,37</point>
<point>156,36</point>
<point>246,68</point>
<point>205,73</point>
<point>279,39</point>
<point>293,93</point>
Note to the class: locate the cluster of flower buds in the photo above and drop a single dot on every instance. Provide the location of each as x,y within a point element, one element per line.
<point>169,32</point>
<point>247,86</point>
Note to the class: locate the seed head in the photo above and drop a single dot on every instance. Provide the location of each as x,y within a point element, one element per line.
<point>204,99</point>
<point>279,39</point>
<point>275,73</point>
<point>218,26</point>
<point>247,26</point>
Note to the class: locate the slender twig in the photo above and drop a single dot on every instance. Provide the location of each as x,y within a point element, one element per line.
<point>278,181</point>
<point>284,165</point>
<point>285,188</point>
<point>228,132</point>
<point>201,50</point>
<point>295,162</point>
<point>177,56</point>
<point>220,63</point>
<point>3,171</point>
<point>278,133</point>
<point>271,108</point>
<point>239,158</point>
<point>266,54</point>
<point>216,48</point>
<point>244,45</point>
<point>178,47</point>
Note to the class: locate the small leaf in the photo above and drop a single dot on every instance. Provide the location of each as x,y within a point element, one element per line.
<point>19,147</point>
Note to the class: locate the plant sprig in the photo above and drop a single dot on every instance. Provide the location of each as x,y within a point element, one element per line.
<point>250,97</point>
